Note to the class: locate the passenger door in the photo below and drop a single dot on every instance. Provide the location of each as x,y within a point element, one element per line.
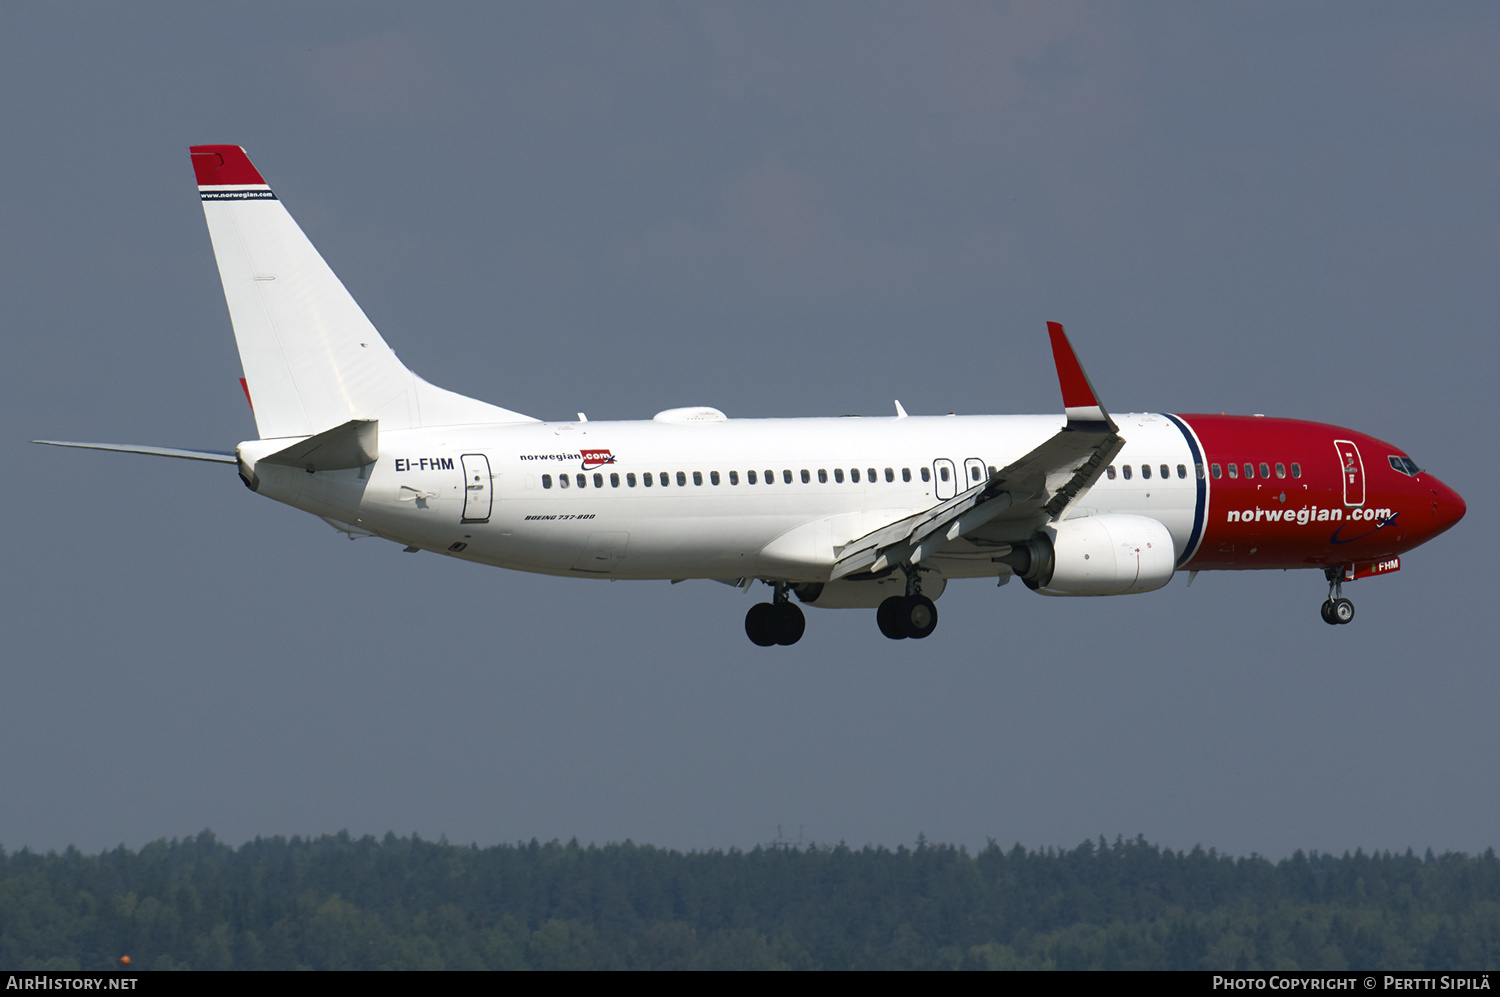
<point>1353,472</point>
<point>974,472</point>
<point>945,483</point>
<point>478,495</point>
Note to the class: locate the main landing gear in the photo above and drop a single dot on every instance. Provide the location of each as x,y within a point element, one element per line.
<point>910,615</point>
<point>1336,609</point>
<point>776,622</point>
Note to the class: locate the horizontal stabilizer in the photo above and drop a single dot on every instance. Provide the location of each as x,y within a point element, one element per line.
<point>218,456</point>
<point>354,444</point>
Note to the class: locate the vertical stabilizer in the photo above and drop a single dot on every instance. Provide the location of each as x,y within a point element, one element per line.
<point>312,360</point>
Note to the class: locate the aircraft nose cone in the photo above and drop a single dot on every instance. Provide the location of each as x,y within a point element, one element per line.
<point>1448,506</point>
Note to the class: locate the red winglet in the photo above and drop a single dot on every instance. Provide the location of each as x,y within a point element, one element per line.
<point>1076,390</point>
<point>223,165</point>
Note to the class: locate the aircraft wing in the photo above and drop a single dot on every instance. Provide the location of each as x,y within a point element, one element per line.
<point>1043,482</point>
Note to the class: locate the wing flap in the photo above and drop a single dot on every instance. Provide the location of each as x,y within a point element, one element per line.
<point>912,538</point>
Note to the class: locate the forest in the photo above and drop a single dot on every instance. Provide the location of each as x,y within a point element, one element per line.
<point>340,902</point>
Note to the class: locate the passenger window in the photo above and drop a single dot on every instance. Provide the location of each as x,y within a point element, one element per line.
<point>870,476</point>
<point>1280,470</point>
<point>630,479</point>
<point>770,477</point>
<point>1234,470</point>
<point>974,473</point>
<point>598,480</point>
<point>1146,471</point>
<point>943,472</point>
<point>1166,472</point>
<point>697,477</point>
<point>1182,471</point>
<point>1125,470</point>
<point>1214,470</point>
<point>806,476</point>
<point>682,478</point>
<point>1296,469</point>
<point>926,474</point>
<point>854,475</point>
<point>614,481</point>
<point>750,476</point>
<point>838,475</point>
<point>583,481</point>
<point>663,479</point>
<point>786,475</point>
<point>647,479</point>
<point>1198,470</point>
<point>822,475</point>
<point>1109,472</point>
<point>713,477</point>
<point>562,481</point>
<point>906,474</point>
<point>1249,470</point>
<point>890,474</point>
<point>734,477</point>
<point>993,472</point>
<point>1265,470</point>
<point>546,481</point>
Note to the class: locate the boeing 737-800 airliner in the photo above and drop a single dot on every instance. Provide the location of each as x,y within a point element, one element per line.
<point>849,512</point>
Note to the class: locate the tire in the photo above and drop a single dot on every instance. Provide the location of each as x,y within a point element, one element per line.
<point>758,625</point>
<point>916,616</point>
<point>885,618</point>
<point>1327,611</point>
<point>786,623</point>
<point>1343,610</point>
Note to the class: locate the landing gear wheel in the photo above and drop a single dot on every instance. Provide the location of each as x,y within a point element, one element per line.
<point>786,623</point>
<point>885,618</point>
<point>916,616</point>
<point>758,625</point>
<point>1337,609</point>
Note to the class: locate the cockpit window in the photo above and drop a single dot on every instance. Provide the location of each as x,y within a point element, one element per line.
<point>1405,465</point>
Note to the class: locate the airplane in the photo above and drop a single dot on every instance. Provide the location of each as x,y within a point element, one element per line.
<point>852,512</point>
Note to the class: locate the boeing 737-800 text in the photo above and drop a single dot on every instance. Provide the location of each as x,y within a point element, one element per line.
<point>838,512</point>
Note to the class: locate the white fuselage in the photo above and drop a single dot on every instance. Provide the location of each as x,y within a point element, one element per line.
<point>726,499</point>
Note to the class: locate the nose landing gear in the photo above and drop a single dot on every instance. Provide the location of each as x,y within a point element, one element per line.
<point>1336,609</point>
<point>776,622</point>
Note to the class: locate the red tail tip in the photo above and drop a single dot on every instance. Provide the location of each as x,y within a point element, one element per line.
<point>223,165</point>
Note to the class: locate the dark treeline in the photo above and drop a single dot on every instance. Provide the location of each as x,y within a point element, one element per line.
<point>338,902</point>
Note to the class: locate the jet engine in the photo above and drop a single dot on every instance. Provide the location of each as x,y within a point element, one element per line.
<point>1096,555</point>
<point>865,593</point>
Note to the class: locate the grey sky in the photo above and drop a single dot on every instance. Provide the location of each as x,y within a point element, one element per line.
<point>777,209</point>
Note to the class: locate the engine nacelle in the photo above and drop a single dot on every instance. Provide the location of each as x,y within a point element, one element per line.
<point>1096,555</point>
<point>865,593</point>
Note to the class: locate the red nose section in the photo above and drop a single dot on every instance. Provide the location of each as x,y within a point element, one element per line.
<point>1447,506</point>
